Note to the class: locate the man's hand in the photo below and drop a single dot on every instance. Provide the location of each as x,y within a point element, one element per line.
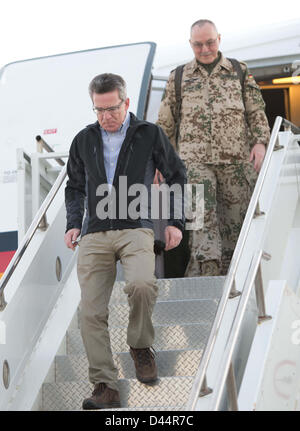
<point>257,154</point>
<point>173,236</point>
<point>158,178</point>
<point>70,238</point>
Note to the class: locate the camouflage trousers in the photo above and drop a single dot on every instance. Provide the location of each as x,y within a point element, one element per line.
<point>227,192</point>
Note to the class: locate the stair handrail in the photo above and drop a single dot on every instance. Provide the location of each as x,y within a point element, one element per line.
<point>294,129</point>
<point>49,149</point>
<point>226,362</point>
<point>29,235</point>
<point>229,284</point>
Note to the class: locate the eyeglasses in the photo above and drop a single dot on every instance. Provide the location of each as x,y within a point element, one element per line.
<point>208,44</point>
<point>111,109</point>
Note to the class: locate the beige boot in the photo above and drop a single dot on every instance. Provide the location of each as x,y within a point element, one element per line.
<point>210,268</point>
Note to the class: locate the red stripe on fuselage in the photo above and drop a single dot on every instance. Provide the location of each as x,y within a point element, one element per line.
<point>5,257</point>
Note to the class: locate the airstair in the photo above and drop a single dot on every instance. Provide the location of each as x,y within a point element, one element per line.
<point>222,343</point>
<point>182,319</point>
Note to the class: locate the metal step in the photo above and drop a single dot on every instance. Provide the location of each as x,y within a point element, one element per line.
<point>177,288</point>
<point>178,312</point>
<point>152,409</point>
<point>169,392</point>
<point>182,319</point>
<point>170,363</point>
<point>188,336</point>
<point>169,312</point>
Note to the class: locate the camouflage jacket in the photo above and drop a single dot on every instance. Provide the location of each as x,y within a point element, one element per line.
<point>217,125</point>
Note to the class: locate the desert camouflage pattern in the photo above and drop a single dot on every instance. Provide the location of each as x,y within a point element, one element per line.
<point>227,192</point>
<point>213,127</point>
<point>218,129</point>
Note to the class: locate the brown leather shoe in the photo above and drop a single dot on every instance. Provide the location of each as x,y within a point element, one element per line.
<point>102,397</point>
<point>145,366</point>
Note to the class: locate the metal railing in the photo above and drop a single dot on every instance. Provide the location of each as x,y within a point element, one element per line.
<point>226,373</point>
<point>43,145</point>
<point>29,235</point>
<point>200,387</point>
<point>40,179</point>
<point>292,127</point>
<point>40,170</point>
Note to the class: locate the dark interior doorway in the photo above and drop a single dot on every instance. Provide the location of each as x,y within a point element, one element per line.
<point>276,100</point>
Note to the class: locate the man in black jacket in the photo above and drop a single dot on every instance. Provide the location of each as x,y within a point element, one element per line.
<point>111,161</point>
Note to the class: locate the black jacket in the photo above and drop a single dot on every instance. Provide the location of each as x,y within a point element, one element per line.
<point>144,149</point>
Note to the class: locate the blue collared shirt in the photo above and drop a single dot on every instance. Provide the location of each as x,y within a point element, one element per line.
<point>112,143</point>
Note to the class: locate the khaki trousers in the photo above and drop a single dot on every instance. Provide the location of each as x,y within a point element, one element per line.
<point>96,269</point>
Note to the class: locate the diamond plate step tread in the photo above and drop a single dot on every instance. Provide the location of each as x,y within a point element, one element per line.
<point>170,363</point>
<point>182,318</point>
<point>168,312</point>
<point>152,409</point>
<point>169,392</point>
<point>173,337</point>
<point>178,288</point>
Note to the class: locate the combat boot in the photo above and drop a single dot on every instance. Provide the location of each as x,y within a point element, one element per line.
<point>210,268</point>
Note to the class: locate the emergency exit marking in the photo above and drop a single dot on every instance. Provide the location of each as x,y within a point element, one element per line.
<point>50,131</point>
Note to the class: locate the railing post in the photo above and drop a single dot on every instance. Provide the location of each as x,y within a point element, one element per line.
<point>234,293</point>
<point>260,297</point>
<point>258,212</point>
<point>44,224</point>
<point>231,390</point>
<point>205,390</point>
<point>277,146</point>
<point>35,183</point>
<point>3,303</point>
<point>36,187</point>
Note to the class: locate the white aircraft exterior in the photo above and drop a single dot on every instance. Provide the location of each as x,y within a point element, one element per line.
<point>39,292</point>
<point>270,52</point>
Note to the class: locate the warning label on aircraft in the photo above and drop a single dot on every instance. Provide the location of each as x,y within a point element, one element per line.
<point>50,131</point>
<point>8,176</point>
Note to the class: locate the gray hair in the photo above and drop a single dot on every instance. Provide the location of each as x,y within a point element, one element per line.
<point>107,82</point>
<point>202,22</point>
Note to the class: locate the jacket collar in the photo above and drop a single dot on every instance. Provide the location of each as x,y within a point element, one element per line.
<point>223,63</point>
<point>134,122</point>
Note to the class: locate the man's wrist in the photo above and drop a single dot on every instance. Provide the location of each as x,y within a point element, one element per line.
<point>178,224</point>
<point>72,227</point>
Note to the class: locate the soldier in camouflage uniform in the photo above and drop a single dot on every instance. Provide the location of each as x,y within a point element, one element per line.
<point>222,139</point>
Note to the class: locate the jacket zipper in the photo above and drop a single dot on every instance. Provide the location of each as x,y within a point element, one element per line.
<point>129,153</point>
<point>128,158</point>
<point>98,168</point>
